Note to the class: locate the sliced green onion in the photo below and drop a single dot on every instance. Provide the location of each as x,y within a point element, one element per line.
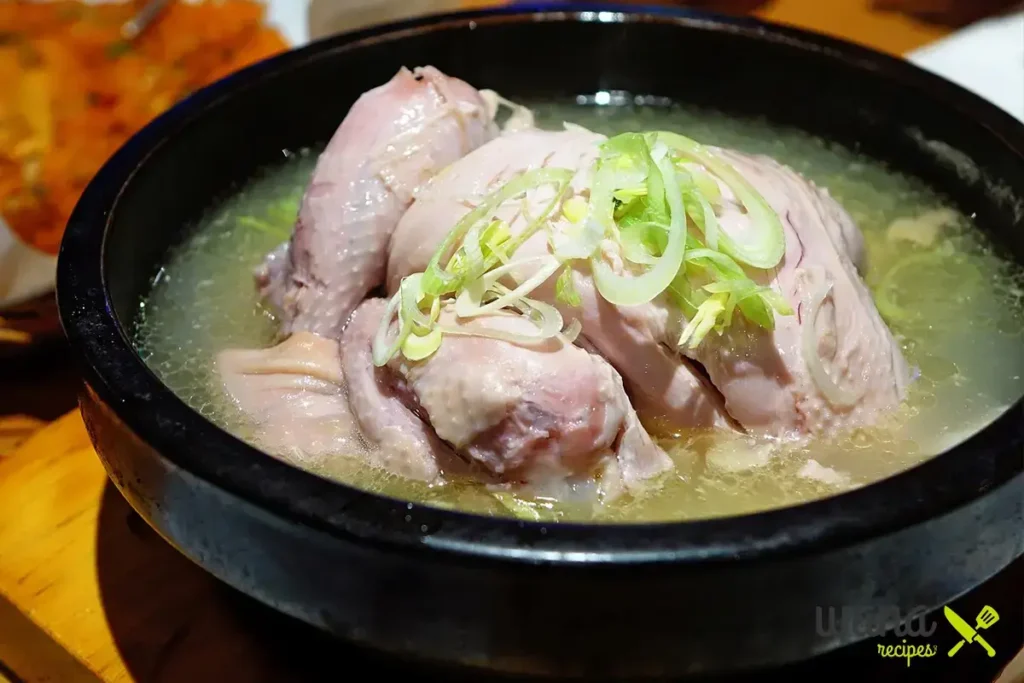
<point>533,511</point>
<point>707,317</point>
<point>644,182</point>
<point>572,331</point>
<point>423,324</point>
<point>730,308</point>
<point>628,194</point>
<point>768,245</point>
<point>755,301</point>
<point>565,289</point>
<point>493,240</point>
<point>966,278</point>
<point>775,300</point>
<point>716,262</point>
<point>382,353</point>
<point>704,183</point>
<point>627,212</point>
<point>549,325</point>
<point>471,251</point>
<point>740,288</point>
<point>513,243</point>
<point>643,243</point>
<point>581,240</point>
<point>575,209</point>
<point>436,280</point>
<point>682,294</point>
<point>757,311</point>
<point>705,219</point>
<point>631,291</point>
<point>418,347</point>
<point>469,302</point>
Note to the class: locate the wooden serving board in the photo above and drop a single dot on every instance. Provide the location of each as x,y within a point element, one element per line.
<point>71,551</point>
<point>89,593</point>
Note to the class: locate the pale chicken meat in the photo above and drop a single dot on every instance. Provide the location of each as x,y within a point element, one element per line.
<point>548,415</point>
<point>309,406</point>
<point>667,390</point>
<point>294,395</point>
<point>766,377</point>
<point>760,379</point>
<point>393,140</point>
<point>402,442</point>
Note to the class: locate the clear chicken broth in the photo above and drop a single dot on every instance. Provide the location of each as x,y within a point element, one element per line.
<point>955,306</point>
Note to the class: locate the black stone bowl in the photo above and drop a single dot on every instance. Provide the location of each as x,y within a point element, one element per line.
<point>568,599</point>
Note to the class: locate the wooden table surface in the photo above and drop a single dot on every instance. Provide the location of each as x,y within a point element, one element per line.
<point>89,593</point>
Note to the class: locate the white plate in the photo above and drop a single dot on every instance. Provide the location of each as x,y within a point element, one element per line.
<point>986,58</point>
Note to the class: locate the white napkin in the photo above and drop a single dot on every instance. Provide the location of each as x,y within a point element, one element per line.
<point>25,273</point>
<point>986,58</point>
<point>290,18</point>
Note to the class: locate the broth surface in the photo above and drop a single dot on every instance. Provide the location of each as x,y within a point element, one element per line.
<point>955,307</point>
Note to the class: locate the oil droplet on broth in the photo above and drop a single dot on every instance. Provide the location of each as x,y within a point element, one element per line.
<point>860,439</point>
<point>182,326</point>
<point>936,368</point>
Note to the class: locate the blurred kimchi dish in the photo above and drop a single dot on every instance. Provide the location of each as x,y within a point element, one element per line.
<point>73,90</point>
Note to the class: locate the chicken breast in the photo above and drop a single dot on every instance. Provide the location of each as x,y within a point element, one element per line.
<point>766,377</point>
<point>540,414</point>
<point>666,389</point>
<point>392,141</point>
<point>401,442</point>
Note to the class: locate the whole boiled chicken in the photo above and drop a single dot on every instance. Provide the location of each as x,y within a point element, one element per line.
<point>833,363</point>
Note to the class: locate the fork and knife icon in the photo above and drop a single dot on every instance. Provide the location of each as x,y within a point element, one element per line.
<point>969,634</point>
